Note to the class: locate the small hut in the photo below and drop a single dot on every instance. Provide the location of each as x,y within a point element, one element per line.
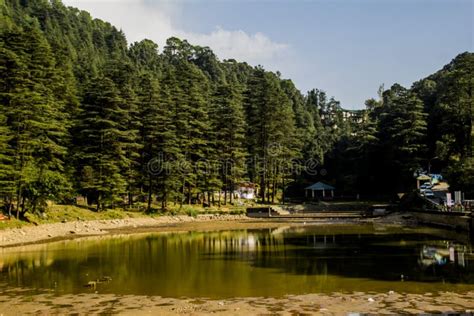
<point>246,190</point>
<point>320,188</point>
<point>422,179</point>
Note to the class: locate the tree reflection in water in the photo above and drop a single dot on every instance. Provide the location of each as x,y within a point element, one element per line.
<point>268,262</point>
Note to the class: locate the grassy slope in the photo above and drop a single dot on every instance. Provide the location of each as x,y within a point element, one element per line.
<point>58,213</point>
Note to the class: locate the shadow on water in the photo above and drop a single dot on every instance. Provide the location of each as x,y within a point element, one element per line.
<point>405,257</point>
<point>269,262</point>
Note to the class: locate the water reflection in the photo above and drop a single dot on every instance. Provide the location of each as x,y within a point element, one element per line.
<point>268,262</point>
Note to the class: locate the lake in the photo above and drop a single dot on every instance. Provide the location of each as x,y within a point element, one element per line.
<point>242,263</point>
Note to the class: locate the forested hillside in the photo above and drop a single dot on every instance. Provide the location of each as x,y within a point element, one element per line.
<point>428,127</point>
<point>82,112</point>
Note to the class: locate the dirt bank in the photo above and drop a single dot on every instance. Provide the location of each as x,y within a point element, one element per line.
<point>16,302</point>
<point>78,229</point>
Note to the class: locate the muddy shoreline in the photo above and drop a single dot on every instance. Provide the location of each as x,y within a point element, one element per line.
<point>19,302</point>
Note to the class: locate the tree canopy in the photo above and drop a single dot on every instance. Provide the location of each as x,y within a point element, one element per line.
<point>83,112</point>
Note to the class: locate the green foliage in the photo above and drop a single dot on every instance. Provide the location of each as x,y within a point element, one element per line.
<point>158,133</point>
<point>429,126</point>
<point>449,102</point>
<point>145,56</point>
<point>83,113</point>
<point>402,130</point>
<point>102,143</point>
<point>7,184</point>
<point>271,132</point>
<point>228,147</point>
<point>460,175</point>
<point>35,114</point>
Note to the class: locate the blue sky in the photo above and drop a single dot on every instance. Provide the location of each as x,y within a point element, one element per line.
<point>347,48</point>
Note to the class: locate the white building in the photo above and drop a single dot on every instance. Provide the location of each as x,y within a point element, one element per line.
<point>246,190</point>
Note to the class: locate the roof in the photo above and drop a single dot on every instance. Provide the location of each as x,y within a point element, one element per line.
<point>247,185</point>
<point>423,177</point>
<point>319,186</point>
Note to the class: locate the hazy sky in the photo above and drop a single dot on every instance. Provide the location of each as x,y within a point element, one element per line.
<point>347,48</point>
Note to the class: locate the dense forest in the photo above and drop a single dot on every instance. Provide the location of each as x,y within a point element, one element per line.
<point>83,112</point>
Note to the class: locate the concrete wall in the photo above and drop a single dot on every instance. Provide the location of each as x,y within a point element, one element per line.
<point>450,220</point>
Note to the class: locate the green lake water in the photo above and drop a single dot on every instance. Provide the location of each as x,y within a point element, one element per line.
<point>238,263</point>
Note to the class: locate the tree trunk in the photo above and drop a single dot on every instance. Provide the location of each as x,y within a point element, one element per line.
<point>189,194</point>
<point>99,198</point>
<point>9,208</point>
<point>231,192</point>
<point>35,202</point>
<point>22,212</point>
<point>164,200</point>
<point>181,200</point>
<point>283,190</point>
<point>18,199</point>
<point>150,190</point>
<point>225,186</point>
<point>273,190</point>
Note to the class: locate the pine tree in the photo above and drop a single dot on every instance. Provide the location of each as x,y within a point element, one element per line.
<point>284,146</point>
<point>7,61</point>
<point>7,184</point>
<point>256,116</point>
<point>185,106</point>
<point>190,115</point>
<point>362,152</point>
<point>160,149</point>
<point>144,55</point>
<point>123,73</point>
<point>329,125</point>
<point>271,131</point>
<point>402,129</point>
<point>101,150</point>
<point>35,113</point>
<point>229,126</point>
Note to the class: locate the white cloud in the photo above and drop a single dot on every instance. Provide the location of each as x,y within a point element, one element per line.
<point>159,20</point>
<point>238,44</point>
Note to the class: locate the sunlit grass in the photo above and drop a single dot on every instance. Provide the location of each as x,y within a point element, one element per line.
<point>12,223</point>
<point>67,213</point>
